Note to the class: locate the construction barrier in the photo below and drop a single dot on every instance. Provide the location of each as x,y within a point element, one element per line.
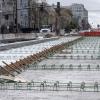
<point>90,34</point>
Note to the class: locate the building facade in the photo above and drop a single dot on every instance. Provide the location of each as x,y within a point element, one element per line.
<point>80,14</point>
<point>26,12</point>
<point>7,12</point>
<point>15,13</point>
<point>23,13</point>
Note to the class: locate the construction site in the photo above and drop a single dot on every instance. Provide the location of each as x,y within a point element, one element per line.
<point>51,69</point>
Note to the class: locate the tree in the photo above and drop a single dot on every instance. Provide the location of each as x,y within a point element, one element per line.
<point>66,17</point>
<point>71,25</point>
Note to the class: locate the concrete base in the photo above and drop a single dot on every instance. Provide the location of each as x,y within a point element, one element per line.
<point>25,43</point>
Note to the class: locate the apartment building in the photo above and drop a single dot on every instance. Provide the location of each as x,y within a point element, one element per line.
<point>7,12</point>
<point>80,14</point>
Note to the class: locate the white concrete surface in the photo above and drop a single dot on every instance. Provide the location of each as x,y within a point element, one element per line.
<point>62,76</point>
<point>22,35</point>
<point>44,95</point>
<point>14,55</point>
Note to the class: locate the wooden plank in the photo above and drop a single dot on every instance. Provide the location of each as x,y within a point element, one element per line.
<point>16,66</point>
<point>7,71</point>
<point>11,67</point>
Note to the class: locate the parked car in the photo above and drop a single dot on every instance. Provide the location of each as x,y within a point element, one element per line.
<point>45,30</point>
<point>40,37</point>
<point>66,34</point>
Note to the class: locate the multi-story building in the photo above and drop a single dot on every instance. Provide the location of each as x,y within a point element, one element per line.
<point>26,12</point>
<point>15,13</point>
<point>80,14</point>
<point>23,13</point>
<point>7,12</point>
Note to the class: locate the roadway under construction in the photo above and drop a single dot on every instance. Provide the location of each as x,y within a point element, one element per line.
<point>65,68</point>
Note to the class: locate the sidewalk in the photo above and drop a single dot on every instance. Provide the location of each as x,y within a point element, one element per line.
<point>17,36</point>
<point>21,35</point>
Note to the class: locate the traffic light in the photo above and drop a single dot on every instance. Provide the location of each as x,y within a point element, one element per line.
<point>58,8</point>
<point>58,5</point>
<point>41,7</point>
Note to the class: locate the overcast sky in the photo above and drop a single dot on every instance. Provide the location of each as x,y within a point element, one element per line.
<point>93,6</point>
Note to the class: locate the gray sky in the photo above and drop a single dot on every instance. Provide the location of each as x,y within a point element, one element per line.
<point>91,5</point>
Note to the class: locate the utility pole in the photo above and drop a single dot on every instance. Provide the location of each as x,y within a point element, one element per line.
<point>40,11</point>
<point>38,19</point>
<point>58,19</point>
<point>29,13</point>
<point>16,19</point>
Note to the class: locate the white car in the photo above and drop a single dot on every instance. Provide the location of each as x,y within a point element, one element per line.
<point>66,34</point>
<point>45,30</point>
<point>40,37</point>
